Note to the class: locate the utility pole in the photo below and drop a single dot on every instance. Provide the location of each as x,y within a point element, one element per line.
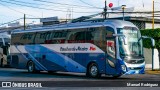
<point>24,21</point>
<point>153,16</point>
<point>105,10</point>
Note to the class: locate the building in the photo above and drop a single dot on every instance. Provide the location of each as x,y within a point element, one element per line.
<point>141,22</point>
<point>49,20</point>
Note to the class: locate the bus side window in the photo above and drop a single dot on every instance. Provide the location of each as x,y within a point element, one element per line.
<point>77,36</point>
<point>56,35</point>
<point>71,36</point>
<point>37,38</point>
<point>25,38</point>
<point>48,34</point>
<point>64,34</point>
<point>89,35</point>
<point>111,48</point>
<point>110,32</point>
<point>80,36</point>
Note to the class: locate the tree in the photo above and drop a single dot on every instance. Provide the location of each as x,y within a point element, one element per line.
<point>155,34</point>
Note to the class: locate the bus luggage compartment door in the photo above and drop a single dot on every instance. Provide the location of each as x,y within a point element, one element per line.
<point>13,61</point>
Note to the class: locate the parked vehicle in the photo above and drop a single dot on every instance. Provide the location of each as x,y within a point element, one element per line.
<point>111,47</point>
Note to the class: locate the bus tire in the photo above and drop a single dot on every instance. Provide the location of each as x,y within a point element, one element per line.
<point>31,67</point>
<point>93,71</point>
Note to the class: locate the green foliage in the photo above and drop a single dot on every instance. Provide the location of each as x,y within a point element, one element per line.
<point>155,34</point>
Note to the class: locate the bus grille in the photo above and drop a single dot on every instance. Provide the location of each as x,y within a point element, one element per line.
<point>135,68</point>
<point>134,61</point>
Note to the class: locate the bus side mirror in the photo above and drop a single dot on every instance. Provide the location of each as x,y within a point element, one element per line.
<point>123,37</point>
<point>146,37</point>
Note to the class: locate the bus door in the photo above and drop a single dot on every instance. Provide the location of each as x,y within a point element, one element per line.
<point>110,52</point>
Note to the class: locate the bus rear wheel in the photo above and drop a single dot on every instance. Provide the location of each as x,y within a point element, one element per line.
<point>31,67</point>
<point>93,71</point>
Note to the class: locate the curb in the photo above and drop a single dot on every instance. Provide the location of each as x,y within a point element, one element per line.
<point>152,72</point>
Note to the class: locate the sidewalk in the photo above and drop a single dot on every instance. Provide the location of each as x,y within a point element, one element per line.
<point>152,72</point>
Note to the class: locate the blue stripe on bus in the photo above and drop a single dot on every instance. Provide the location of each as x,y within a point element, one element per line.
<point>57,58</point>
<point>38,65</point>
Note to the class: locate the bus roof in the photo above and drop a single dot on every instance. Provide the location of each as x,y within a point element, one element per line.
<point>114,23</point>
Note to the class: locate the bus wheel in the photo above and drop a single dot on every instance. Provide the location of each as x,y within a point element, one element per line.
<point>31,67</point>
<point>93,71</point>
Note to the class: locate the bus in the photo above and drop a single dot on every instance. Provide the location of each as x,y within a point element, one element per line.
<point>111,47</point>
<point>4,48</point>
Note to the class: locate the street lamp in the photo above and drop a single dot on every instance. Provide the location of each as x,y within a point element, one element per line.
<point>123,7</point>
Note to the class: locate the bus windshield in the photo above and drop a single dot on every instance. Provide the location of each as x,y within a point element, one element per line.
<point>133,47</point>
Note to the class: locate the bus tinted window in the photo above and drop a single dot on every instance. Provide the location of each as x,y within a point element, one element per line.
<point>40,38</point>
<point>110,32</point>
<point>80,36</point>
<point>76,36</point>
<point>59,34</point>
<point>21,38</point>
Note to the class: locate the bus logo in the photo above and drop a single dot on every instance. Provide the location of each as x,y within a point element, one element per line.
<point>92,48</point>
<point>6,84</point>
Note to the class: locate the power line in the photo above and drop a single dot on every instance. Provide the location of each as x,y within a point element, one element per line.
<point>29,6</point>
<point>32,3</point>
<point>41,4</point>
<point>16,10</point>
<point>25,2</point>
<point>10,21</point>
<point>11,8</point>
<point>90,4</point>
<point>41,7</point>
<point>66,4</point>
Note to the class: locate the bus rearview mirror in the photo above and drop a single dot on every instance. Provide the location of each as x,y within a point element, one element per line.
<point>146,37</point>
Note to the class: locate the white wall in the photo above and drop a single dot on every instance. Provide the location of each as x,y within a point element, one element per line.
<point>149,25</point>
<point>148,58</point>
<point>148,52</point>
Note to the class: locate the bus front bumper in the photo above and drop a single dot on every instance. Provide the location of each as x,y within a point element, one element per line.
<point>135,70</point>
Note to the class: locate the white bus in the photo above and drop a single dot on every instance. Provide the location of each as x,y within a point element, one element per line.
<point>111,47</point>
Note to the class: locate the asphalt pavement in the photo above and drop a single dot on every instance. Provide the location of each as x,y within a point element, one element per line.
<point>78,81</point>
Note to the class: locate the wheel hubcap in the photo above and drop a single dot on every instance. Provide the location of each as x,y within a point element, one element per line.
<point>94,71</point>
<point>30,67</point>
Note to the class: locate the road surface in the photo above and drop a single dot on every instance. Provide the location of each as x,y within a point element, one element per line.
<point>78,80</point>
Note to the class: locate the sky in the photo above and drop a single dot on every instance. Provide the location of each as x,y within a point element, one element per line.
<point>11,10</point>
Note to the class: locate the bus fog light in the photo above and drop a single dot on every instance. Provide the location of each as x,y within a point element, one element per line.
<point>123,67</point>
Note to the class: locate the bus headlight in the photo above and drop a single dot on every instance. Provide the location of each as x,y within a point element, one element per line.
<point>123,67</point>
